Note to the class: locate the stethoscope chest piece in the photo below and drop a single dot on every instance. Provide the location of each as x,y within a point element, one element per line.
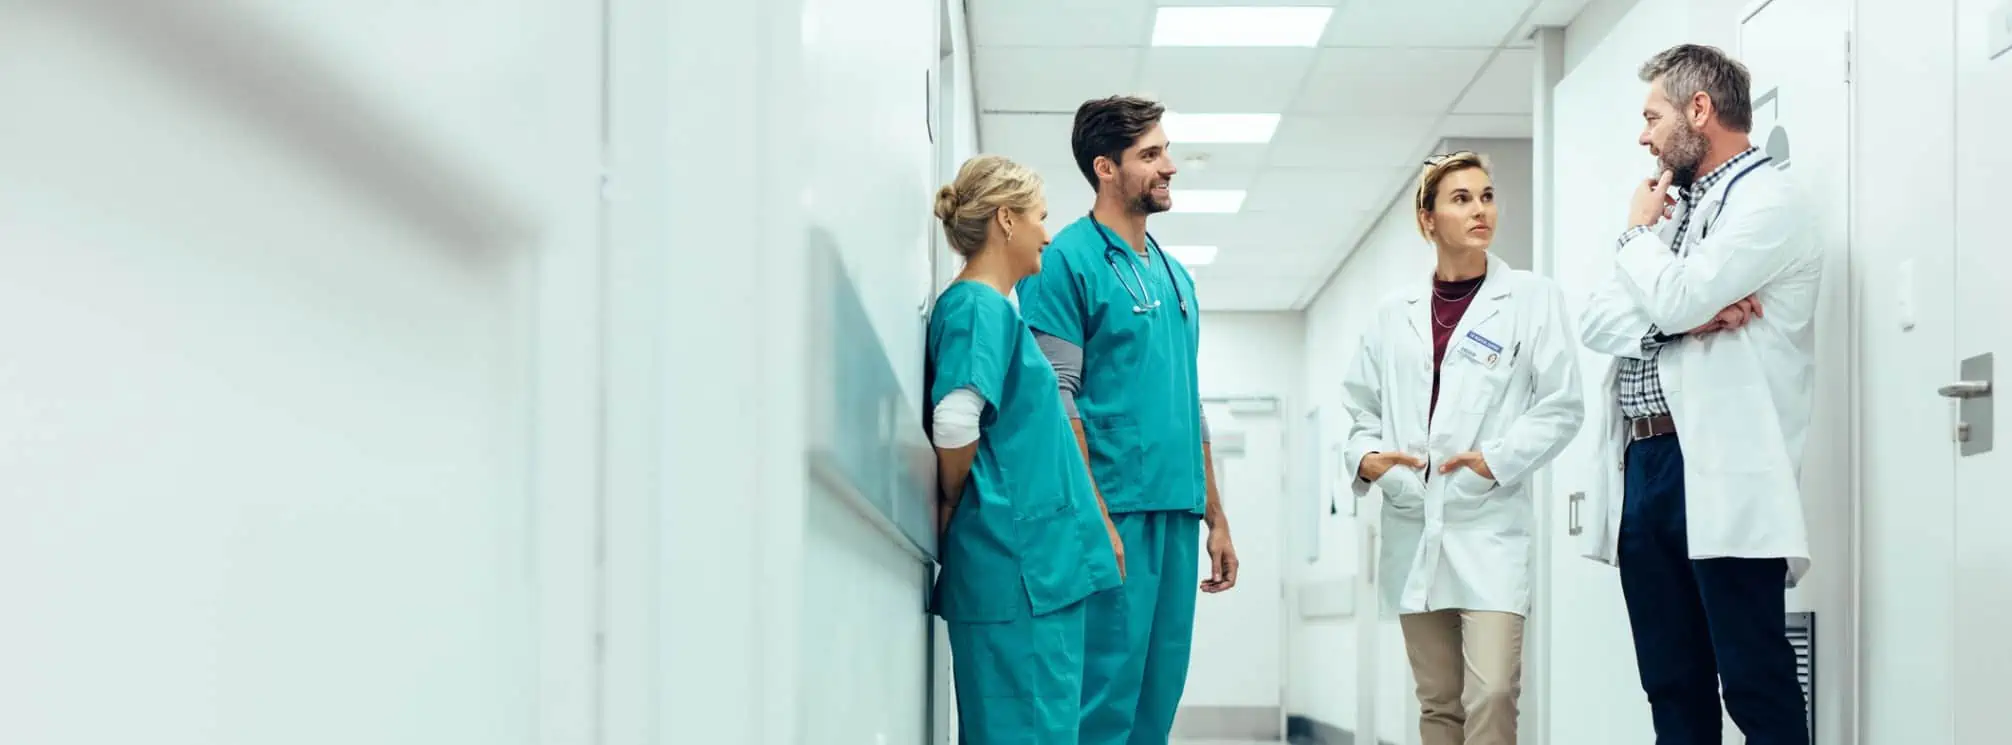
<point>1143,301</point>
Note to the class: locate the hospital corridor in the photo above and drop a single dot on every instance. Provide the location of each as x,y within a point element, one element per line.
<point>1004,372</point>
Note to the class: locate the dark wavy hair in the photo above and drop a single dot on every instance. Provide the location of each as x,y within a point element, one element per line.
<point>1105,127</point>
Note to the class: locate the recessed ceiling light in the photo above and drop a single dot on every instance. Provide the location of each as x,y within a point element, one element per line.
<point>1192,255</point>
<point>1212,201</point>
<point>1219,128</point>
<point>1240,27</point>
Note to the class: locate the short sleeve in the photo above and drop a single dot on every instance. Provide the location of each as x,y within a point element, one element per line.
<point>1052,300</point>
<point>970,346</point>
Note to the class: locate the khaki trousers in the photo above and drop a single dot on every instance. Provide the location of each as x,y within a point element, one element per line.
<point>1469,667</point>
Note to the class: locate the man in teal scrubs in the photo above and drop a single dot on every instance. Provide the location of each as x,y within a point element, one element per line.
<point>1117,318</point>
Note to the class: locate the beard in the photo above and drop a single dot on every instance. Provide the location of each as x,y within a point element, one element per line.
<point>1143,202</point>
<point>1681,156</point>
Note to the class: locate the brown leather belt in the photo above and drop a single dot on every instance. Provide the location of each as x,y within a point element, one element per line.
<point>1651,426</point>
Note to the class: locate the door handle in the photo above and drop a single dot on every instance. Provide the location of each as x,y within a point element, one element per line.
<point>1965,389</point>
<point>1572,526</point>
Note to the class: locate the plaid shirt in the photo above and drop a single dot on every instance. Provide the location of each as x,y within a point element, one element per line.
<point>1637,382</point>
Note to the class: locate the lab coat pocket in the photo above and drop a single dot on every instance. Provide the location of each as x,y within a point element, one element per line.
<point>1055,558</point>
<point>1485,386</point>
<point>1468,485</point>
<point>1403,491</point>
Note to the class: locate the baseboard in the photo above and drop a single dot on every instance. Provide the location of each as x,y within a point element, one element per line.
<point>1228,723</point>
<point>1304,730</point>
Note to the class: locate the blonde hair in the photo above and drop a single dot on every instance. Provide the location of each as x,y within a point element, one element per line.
<point>1437,168</point>
<point>985,184</point>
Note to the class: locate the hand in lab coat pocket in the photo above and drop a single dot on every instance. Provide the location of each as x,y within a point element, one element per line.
<point>1470,479</point>
<point>1403,489</point>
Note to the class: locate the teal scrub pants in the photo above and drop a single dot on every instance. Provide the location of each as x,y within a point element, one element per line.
<point>1140,633</point>
<point>1019,682</point>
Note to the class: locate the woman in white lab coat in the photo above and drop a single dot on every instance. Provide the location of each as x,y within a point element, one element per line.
<point>1466,384</point>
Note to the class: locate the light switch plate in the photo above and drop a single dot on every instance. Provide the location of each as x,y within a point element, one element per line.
<point>2000,32</point>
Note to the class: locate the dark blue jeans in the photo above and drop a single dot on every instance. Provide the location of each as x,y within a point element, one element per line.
<point>1702,624</point>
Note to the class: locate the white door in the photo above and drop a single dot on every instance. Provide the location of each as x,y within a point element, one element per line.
<point>1798,54</point>
<point>1236,675</point>
<point>1984,307</point>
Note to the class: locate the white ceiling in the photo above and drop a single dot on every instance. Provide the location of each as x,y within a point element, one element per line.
<point>1389,79</point>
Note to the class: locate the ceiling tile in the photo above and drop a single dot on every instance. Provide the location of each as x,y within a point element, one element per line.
<point>1556,12</point>
<point>1423,23</point>
<point>1351,141</point>
<point>1388,81</point>
<point>1031,138</point>
<point>1052,80</point>
<point>1508,86</point>
<point>1214,156</point>
<point>1315,189</point>
<point>1486,125</point>
<point>1214,176</point>
<point>1060,23</point>
<point>1258,231</point>
<point>1225,81</point>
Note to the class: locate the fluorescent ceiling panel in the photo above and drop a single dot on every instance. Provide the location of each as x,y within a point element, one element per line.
<point>1242,129</point>
<point>1208,201</point>
<point>1192,255</point>
<point>1240,27</point>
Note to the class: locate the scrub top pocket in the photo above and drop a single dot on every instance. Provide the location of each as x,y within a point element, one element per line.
<point>1055,559</point>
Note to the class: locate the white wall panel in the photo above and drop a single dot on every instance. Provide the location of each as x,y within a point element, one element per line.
<point>265,432</point>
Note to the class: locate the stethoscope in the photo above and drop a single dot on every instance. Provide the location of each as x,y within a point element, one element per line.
<point>1142,299</point>
<point>1705,229</point>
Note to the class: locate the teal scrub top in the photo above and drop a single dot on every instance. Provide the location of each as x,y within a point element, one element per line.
<point>1139,398</point>
<point>1027,535</point>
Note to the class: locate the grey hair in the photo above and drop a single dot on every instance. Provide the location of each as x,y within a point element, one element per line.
<point>1689,69</point>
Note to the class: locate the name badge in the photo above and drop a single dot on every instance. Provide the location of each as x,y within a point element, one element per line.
<point>1482,351</point>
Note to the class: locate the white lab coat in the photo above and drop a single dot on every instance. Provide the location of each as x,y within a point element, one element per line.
<point>1741,399</point>
<point>1459,540</point>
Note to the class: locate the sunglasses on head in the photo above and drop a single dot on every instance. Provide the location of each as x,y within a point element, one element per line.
<point>1443,157</point>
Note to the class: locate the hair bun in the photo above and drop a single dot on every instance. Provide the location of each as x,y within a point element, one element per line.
<point>946,203</point>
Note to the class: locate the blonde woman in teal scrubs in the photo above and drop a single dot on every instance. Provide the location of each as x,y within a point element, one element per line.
<point>1025,541</point>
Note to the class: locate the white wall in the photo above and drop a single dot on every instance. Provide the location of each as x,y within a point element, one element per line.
<point>812,136</point>
<point>270,413</point>
<point>1251,354</point>
<point>873,176</point>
